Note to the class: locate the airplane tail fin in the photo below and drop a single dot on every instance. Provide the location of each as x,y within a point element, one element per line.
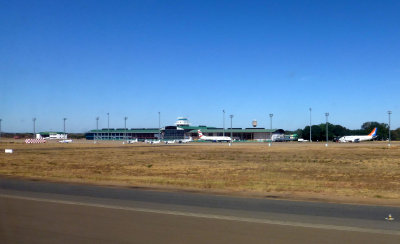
<point>200,133</point>
<point>373,132</point>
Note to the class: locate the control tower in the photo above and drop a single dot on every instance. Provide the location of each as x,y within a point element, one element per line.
<point>182,121</point>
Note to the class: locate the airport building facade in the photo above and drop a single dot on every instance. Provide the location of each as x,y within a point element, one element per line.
<point>51,135</point>
<point>124,134</point>
<point>183,130</point>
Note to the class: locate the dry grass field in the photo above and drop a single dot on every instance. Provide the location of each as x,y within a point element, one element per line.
<point>368,171</point>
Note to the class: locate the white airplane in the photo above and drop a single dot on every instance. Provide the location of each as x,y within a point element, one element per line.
<point>213,138</point>
<point>65,141</point>
<point>152,142</point>
<point>371,136</point>
<point>132,141</point>
<point>186,140</point>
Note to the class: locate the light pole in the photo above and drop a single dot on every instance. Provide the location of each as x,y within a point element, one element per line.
<point>389,113</point>
<point>270,120</point>
<point>223,122</point>
<point>0,127</point>
<point>95,135</point>
<point>34,127</point>
<point>326,114</point>
<point>108,126</point>
<point>159,125</point>
<point>125,118</point>
<point>64,124</point>
<point>310,124</point>
<point>231,116</point>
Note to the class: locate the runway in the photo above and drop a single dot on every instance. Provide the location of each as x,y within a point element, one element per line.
<point>40,212</point>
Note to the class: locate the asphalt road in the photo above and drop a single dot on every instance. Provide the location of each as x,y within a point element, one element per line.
<point>40,212</point>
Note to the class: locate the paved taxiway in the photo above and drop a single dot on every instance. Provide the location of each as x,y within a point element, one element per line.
<point>39,212</point>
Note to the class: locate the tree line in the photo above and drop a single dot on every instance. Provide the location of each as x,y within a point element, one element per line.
<point>318,132</point>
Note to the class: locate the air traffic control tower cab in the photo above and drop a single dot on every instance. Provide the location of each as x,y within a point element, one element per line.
<point>182,121</point>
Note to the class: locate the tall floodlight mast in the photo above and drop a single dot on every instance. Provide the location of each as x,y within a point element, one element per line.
<point>96,135</point>
<point>231,116</point>
<point>159,125</point>
<point>326,114</point>
<point>270,120</point>
<point>108,126</point>
<point>34,127</point>
<point>390,139</point>
<point>223,122</point>
<point>125,118</point>
<point>64,123</point>
<point>310,124</point>
<point>0,127</point>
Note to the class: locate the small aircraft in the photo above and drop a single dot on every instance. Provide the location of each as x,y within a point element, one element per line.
<point>369,137</point>
<point>301,140</point>
<point>132,141</point>
<point>190,139</point>
<point>65,141</point>
<point>152,141</point>
<point>214,138</point>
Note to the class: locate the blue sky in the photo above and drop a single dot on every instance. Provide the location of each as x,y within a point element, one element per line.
<point>82,59</point>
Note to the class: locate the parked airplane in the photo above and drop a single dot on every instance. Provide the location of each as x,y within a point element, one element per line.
<point>214,138</point>
<point>371,136</point>
<point>132,141</point>
<point>65,141</point>
<point>152,141</point>
<point>190,139</point>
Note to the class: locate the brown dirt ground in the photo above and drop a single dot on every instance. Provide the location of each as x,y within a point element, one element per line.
<point>355,173</point>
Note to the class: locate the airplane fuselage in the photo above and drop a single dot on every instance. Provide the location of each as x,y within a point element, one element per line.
<point>369,137</point>
<point>355,138</point>
<point>216,138</point>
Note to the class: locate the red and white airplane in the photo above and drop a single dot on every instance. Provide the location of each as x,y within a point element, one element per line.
<point>214,138</point>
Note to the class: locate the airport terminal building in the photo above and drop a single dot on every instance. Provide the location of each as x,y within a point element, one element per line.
<point>182,129</point>
<point>52,135</point>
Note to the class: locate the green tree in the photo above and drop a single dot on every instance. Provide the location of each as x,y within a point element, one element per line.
<point>395,134</point>
<point>299,133</point>
<point>383,129</point>
<point>339,130</point>
<point>315,133</point>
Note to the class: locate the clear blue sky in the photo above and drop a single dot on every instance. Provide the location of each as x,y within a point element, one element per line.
<point>82,59</point>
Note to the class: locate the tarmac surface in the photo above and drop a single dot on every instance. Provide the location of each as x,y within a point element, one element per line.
<point>43,212</point>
